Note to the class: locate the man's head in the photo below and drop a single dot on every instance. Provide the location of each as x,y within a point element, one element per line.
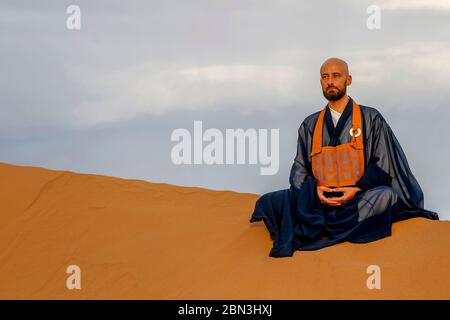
<point>334,78</point>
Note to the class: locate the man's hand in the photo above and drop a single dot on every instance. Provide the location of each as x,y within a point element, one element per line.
<point>348,194</point>
<point>325,200</point>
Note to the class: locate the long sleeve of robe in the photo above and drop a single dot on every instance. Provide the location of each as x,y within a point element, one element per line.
<point>295,218</point>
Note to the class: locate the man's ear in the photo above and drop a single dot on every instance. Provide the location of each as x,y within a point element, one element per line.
<point>349,80</point>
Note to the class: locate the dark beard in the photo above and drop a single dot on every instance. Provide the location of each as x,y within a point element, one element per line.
<point>334,96</point>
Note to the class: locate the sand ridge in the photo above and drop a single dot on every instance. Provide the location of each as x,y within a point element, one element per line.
<point>134,239</point>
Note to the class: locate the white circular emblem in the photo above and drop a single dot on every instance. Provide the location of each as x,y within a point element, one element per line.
<point>353,134</point>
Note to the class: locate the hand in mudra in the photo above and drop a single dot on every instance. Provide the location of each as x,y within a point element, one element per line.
<point>348,193</point>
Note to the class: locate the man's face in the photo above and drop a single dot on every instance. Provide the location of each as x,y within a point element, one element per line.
<point>334,80</point>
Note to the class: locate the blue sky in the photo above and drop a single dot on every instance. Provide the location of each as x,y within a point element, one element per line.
<point>105,99</point>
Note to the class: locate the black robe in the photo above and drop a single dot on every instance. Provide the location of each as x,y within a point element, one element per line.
<point>297,220</point>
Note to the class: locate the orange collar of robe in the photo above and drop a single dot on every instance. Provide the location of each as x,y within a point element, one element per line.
<point>341,165</point>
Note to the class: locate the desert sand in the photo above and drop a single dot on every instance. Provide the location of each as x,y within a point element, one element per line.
<point>134,239</point>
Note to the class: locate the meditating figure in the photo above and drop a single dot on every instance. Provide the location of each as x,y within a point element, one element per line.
<point>350,178</point>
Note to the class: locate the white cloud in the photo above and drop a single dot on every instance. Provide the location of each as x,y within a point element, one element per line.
<point>415,4</point>
<point>124,93</point>
<point>146,89</point>
<point>367,71</point>
<point>426,61</point>
<point>275,78</point>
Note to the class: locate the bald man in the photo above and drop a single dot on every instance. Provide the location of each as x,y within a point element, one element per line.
<point>350,179</point>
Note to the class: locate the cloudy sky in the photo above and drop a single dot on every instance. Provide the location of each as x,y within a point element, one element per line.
<point>105,99</point>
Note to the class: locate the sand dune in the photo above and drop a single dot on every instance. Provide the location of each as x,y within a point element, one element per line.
<point>135,239</point>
